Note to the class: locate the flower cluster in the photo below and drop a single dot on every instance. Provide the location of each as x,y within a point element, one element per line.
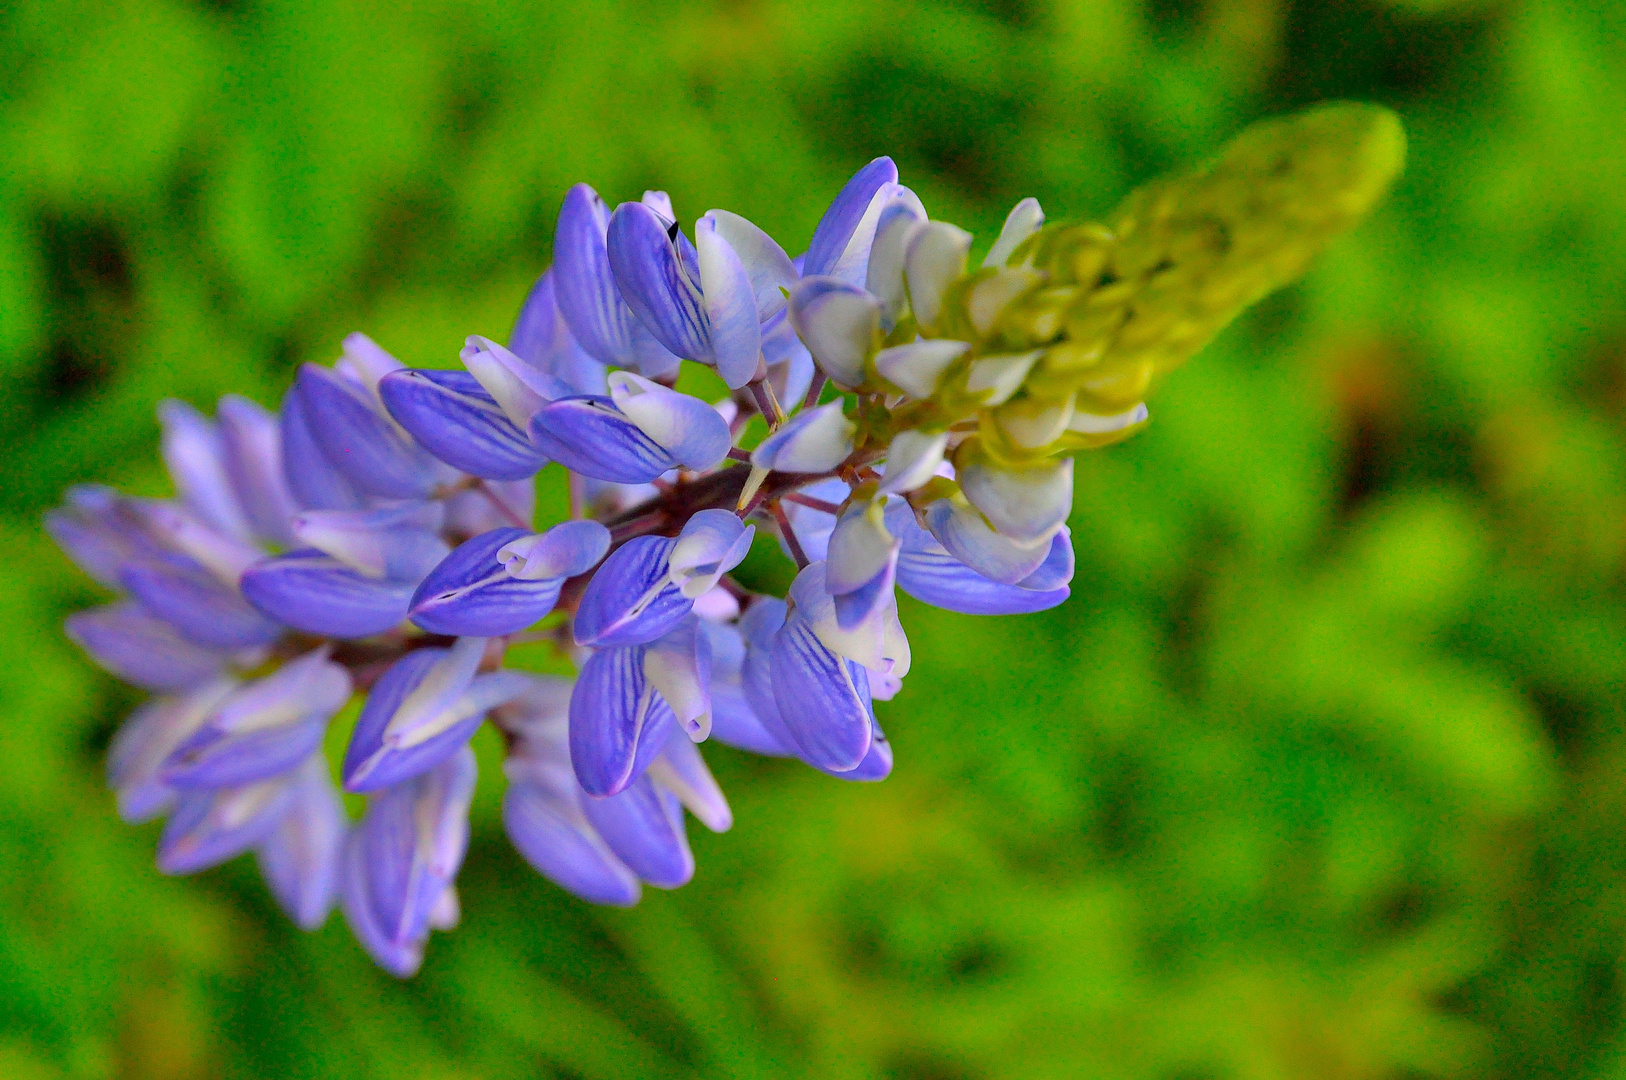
<point>376,537</point>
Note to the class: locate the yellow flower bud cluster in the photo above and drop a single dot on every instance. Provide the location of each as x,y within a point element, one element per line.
<point>1069,336</point>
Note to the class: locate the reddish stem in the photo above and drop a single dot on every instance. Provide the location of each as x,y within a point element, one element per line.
<point>788,534</point>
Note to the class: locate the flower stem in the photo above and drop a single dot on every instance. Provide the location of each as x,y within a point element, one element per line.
<point>814,389</point>
<point>788,534</point>
<point>812,503</point>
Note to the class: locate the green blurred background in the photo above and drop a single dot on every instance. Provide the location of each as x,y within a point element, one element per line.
<point>1320,773</point>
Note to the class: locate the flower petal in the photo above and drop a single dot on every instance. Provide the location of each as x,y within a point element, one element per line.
<point>1028,506</point>
<point>884,276</point>
<point>618,722</point>
<point>813,441</point>
<point>643,825</point>
<point>1025,219</point>
<point>472,593</point>
<point>1000,376</point>
<point>837,229</point>
<point>424,708</point>
<point>400,542</point>
<point>964,533</point>
<point>310,590</point>
<point>912,460</point>
<point>211,825</point>
<point>712,543</point>
<point>583,285</point>
<point>252,441</point>
<point>517,387</point>
<point>141,745</point>
<point>654,282</point>
<point>839,323</point>
<point>934,257</point>
<point>682,771</point>
<point>567,549</point>
<point>688,429</point>
<point>731,307</point>
<point>549,829</point>
<point>300,857</point>
<point>197,604</point>
<point>100,530</point>
<point>678,666</point>
<point>917,368</point>
<point>195,456</point>
<point>264,728</point>
<point>451,414</point>
<point>542,338</point>
<point>931,575</point>
<point>589,435</point>
<point>361,441</point>
<point>141,649</point>
<point>312,478</point>
<point>631,598</point>
<point>770,269</point>
<point>823,699</point>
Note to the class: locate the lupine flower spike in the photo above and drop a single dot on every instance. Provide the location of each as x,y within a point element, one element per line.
<point>375,538</point>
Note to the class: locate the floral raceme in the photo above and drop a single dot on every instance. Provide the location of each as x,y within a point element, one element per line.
<point>897,415</point>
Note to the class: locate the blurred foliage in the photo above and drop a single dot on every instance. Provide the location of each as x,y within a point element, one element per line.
<point>1322,771</point>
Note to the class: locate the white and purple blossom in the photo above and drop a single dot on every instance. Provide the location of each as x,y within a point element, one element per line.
<point>376,538</point>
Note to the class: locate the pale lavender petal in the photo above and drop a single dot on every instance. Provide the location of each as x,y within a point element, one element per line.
<point>681,770</point>
<point>300,857</point>
<point>932,575</point>
<point>400,958</point>
<point>211,825</point>
<point>542,338</point>
<point>712,543</point>
<point>813,441</point>
<point>883,275</point>
<point>400,542</point>
<point>764,261</point>
<point>197,604</point>
<point>1025,219</point>
<point>823,698</point>
<point>730,303</point>
<point>517,387</point>
<point>678,668</point>
<point>835,230</point>
<point>264,728</point>
<point>654,282</point>
<point>555,837</point>
<point>361,441</point>
<point>966,535</point>
<point>839,323</point>
<point>100,530</point>
<point>141,649</point>
<point>195,456</point>
<point>147,738</point>
<point>1057,568</point>
<point>1027,505</point>
<point>252,440</point>
<point>583,284</point>
<point>567,549</point>
<point>691,431</point>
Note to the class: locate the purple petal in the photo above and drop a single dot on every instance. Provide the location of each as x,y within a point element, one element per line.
<point>712,543</point>
<point>682,770</point>
<point>264,728</point>
<point>100,530</point>
<point>141,649</point>
<point>400,541</point>
<point>400,958</point>
<point>359,439</point>
<point>315,483</point>
<point>583,284</point>
<point>618,722</point>
<point>655,284</point>
<point>408,849</point>
<point>472,593</point>
<point>691,431</point>
<point>836,228</point>
<point>931,575</point>
<point>300,857</point>
<point>814,441</point>
<point>589,435</point>
<point>823,699</point>
<point>314,592</point>
<point>643,825</point>
<point>195,603</point>
<point>147,738</point>
<point>1057,568</point>
<point>542,338</point>
<point>631,599</point>
<point>551,832</point>
<point>210,826</point>
<point>734,721</point>
<point>965,534</point>
<point>252,440</point>
<point>453,416</point>
<point>423,710</point>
